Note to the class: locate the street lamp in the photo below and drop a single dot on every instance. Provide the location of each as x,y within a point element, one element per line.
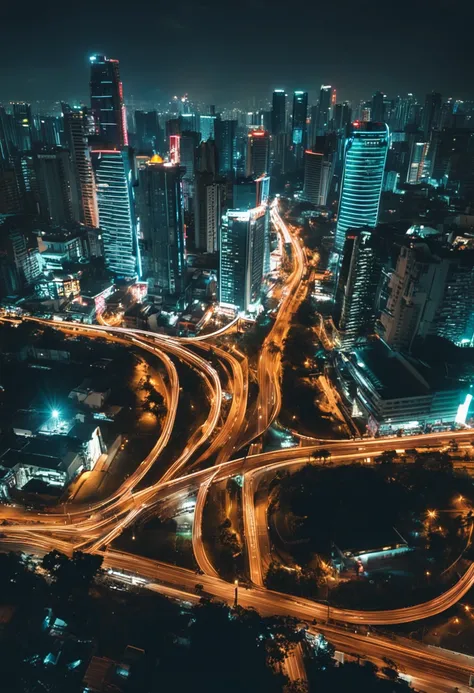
<point>55,414</point>
<point>236,594</point>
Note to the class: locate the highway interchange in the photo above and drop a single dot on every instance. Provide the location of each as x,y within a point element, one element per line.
<point>215,444</point>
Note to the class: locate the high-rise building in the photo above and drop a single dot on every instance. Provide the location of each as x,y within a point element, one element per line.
<point>317,174</point>
<point>160,209</point>
<point>75,134</point>
<point>149,135</point>
<point>9,190</point>
<point>23,125</point>
<point>206,127</point>
<point>241,257</point>
<point>324,109</point>
<point>19,263</point>
<point>298,124</point>
<point>341,116</point>
<point>59,203</point>
<point>107,105</point>
<point>278,113</point>
<point>258,153</point>
<point>431,113</point>
<point>225,133</point>
<point>365,154</point>
<point>7,134</point>
<point>377,112</point>
<point>358,281</point>
<point>209,199</point>
<point>416,165</point>
<point>113,174</point>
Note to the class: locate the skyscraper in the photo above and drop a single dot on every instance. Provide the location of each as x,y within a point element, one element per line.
<point>324,109</point>
<point>107,103</point>
<point>378,107</point>
<point>358,282</point>
<point>431,113</point>
<point>417,161</point>
<point>160,209</point>
<point>23,125</point>
<point>59,203</point>
<point>299,126</point>
<point>225,133</point>
<point>258,153</point>
<point>313,177</point>
<point>209,196</point>
<point>241,257</point>
<point>278,113</point>
<point>206,127</point>
<point>113,173</point>
<point>365,153</point>
<point>341,115</point>
<point>75,134</point>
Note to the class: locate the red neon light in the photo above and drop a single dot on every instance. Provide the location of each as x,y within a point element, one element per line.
<point>123,115</point>
<point>175,149</point>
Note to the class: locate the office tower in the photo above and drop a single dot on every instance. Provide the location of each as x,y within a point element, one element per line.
<point>317,174</point>
<point>188,143</point>
<point>57,191</point>
<point>358,283</point>
<point>113,173</point>
<point>149,135</point>
<point>23,125</point>
<point>416,165</point>
<point>7,135</point>
<point>431,113</point>
<point>75,135</point>
<point>341,117</point>
<point>365,153</point>
<point>324,109</point>
<point>454,318</point>
<point>206,127</point>
<point>160,209</point>
<point>10,202</point>
<point>377,112</point>
<point>225,133</point>
<point>298,125</point>
<point>189,121</point>
<point>107,105</point>
<point>209,200</point>
<point>206,157</point>
<point>403,110</point>
<point>19,263</point>
<point>258,153</point>
<point>241,257</point>
<point>278,113</point>
<point>48,131</point>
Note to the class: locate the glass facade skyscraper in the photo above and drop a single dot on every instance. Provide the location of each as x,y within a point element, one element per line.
<point>160,210</point>
<point>107,104</point>
<point>116,211</point>
<point>365,154</point>
<point>278,114</point>
<point>241,257</point>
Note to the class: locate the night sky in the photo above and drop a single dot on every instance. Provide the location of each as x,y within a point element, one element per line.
<point>219,51</point>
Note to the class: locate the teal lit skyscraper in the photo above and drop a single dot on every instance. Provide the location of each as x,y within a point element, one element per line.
<point>364,162</point>
<point>116,211</point>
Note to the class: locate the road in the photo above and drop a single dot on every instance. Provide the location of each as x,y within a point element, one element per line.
<point>222,434</point>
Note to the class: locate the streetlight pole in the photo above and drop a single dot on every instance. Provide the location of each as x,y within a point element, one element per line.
<point>236,594</point>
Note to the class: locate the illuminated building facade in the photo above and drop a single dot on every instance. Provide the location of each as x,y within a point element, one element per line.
<point>241,257</point>
<point>107,105</point>
<point>160,210</point>
<point>113,176</point>
<point>416,166</point>
<point>258,153</point>
<point>23,125</point>
<point>365,154</point>
<point>75,132</point>
<point>316,177</point>
<point>225,134</point>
